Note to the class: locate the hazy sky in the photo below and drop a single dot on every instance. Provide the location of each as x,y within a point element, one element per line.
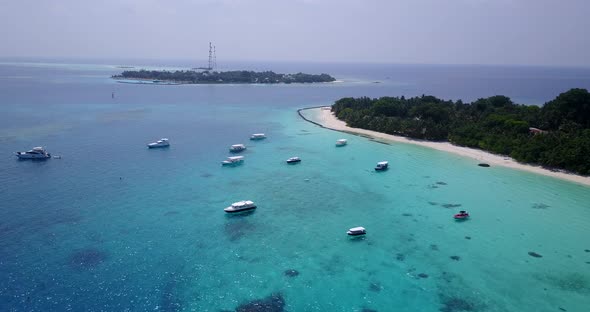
<point>547,32</point>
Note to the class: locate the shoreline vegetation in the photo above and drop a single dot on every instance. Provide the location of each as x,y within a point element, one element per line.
<point>326,117</point>
<point>215,77</point>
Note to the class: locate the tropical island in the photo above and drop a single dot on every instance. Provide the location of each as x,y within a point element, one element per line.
<point>222,77</point>
<point>554,136</point>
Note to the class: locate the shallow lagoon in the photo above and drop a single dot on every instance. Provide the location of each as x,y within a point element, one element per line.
<point>115,226</point>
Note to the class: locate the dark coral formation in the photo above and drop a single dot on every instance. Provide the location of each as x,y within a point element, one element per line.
<point>455,304</point>
<point>423,275</point>
<point>169,301</point>
<point>375,287</point>
<point>441,183</point>
<point>433,203</point>
<point>272,303</point>
<point>434,247</point>
<point>87,259</point>
<point>238,229</point>
<point>540,206</point>
<point>456,258</point>
<point>400,257</point>
<point>467,237</point>
<point>291,272</point>
<point>171,213</point>
<point>406,214</point>
<point>451,205</point>
<point>534,254</point>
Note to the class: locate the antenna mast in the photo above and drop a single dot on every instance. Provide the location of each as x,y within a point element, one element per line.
<point>214,58</point>
<point>210,67</point>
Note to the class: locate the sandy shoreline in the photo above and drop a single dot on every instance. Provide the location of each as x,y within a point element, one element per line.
<point>325,118</point>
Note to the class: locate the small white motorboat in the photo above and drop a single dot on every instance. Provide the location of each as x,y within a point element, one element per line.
<point>159,143</point>
<point>236,148</point>
<point>36,153</point>
<point>341,142</point>
<point>381,166</point>
<point>357,231</point>
<point>233,160</point>
<point>242,205</point>
<point>293,160</point>
<point>258,136</point>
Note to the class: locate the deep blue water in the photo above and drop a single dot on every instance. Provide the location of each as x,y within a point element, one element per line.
<point>113,226</point>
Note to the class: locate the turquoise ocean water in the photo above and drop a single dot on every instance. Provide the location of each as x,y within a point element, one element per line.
<point>113,226</point>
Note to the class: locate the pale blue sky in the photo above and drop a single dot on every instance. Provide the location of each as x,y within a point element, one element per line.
<point>545,32</point>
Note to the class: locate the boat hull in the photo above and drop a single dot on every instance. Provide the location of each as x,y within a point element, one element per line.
<point>158,146</point>
<point>355,234</point>
<point>239,210</point>
<point>29,156</point>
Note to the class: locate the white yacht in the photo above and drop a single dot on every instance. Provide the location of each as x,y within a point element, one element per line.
<point>341,142</point>
<point>159,143</point>
<point>357,231</point>
<point>258,136</point>
<point>233,160</point>
<point>381,166</point>
<point>293,160</point>
<point>36,153</point>
<point>236,148</point>
<point>242,205</point>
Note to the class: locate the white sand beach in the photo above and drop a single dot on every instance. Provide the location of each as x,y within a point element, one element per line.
<point>327,119</point>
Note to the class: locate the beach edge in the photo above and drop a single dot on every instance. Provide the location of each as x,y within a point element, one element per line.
<point>326,119</point>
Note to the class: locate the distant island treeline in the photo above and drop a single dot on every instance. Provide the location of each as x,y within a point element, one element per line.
<point>556,135</point>
<point>215,77</point>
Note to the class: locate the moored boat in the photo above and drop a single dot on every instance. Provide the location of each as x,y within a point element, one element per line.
<point>242,205</point>
<point>462,215</point>
<point>35,153</point>
<point>233,160</point>
<point>355,231</point>
<point>160,143</point>
<point>236,148</point>
<point>341,142</point>
<point>381,166</point>
<point>258,136</point>
<point>293,160</point>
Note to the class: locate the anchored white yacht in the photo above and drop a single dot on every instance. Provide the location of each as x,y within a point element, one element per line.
<point>381,166</point>
<point>236,148</point>
<point>341,142</point>
<point>293,160</point>
<point>160,143</point>
<point>233,160</point>
<point>258,136</point>
<point>36,153</point>
<point>241,206</point>
<point>357,231</point>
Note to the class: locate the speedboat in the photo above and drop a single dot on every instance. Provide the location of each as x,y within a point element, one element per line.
<point>236,148</point>
<point>233,160</point>
<point>357,231</point>
<point>36,153</point>
<point>462,215</point>
<point>381,166</point>
<point>293,160</point>
<point>341,142</point>
<point>258,136</point>
<point>242,205</point>
<point>483,165</point>
<point>159,143</point>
